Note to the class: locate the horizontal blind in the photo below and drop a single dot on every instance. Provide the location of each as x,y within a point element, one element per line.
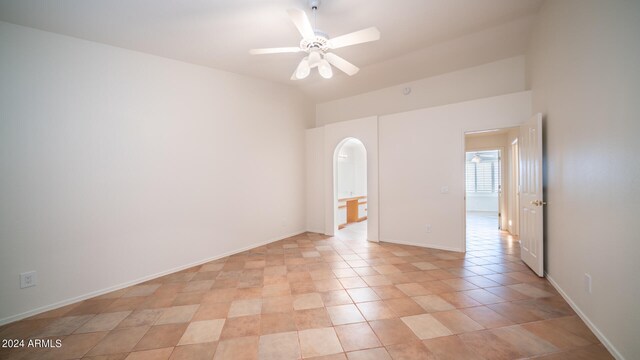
<point>483,177</point>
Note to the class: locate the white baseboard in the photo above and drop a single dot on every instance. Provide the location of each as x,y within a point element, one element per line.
<point>429,246</point>
<point>603,339</point>
<point>92,294</point>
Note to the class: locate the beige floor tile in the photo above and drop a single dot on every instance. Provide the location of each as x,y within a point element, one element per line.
<point>245,307</point>
<point>457,321</point>
<point>307,301</point>
<point>362,295</point>
<point>375,310</point>
<point>425,326</point>
<point>202,332</point>
<point>344,314</point>
<point>433,303</point>
<point>279,346</point>
<point>357,336</point>
<point>319,342</point>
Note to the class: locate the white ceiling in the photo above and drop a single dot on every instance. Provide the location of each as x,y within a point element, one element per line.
<point>420,38</point>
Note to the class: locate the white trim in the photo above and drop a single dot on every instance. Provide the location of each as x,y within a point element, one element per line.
<point>422,245</point>
<point>603,339</point>
<point>92,294</point>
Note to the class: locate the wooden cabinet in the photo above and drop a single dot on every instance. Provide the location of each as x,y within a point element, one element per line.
<point>355,208</point>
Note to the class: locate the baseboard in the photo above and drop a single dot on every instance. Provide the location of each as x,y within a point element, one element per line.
<point>603,339</point>
<point>428,246</point>
<point>92,294</point>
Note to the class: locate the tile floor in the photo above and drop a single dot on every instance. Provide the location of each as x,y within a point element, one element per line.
<point>315,297</point>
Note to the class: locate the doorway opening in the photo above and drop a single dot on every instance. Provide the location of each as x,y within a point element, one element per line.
<point>491,213</point>
<point>350,190</point>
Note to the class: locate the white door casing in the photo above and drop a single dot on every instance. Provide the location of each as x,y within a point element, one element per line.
<point>531,202</point>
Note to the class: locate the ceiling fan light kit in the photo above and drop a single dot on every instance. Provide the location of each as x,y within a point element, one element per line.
<point>317,45</point>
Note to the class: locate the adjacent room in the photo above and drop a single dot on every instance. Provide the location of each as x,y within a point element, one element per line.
<point>350,171</point>
<point>319,179</point>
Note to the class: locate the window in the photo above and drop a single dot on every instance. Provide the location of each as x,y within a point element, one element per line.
<point>483,176</point>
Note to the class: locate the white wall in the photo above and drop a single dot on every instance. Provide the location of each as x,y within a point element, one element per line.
<point>585,78</point>
<point>116,165</point>
<point>315,180</point>
<point>423,151</point>
<point>495,78</point>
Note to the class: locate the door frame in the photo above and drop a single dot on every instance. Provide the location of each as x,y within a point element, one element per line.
<point>464,173</point>
<point>336,153</point>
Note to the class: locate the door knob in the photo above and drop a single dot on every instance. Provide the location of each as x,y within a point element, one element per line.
<point>538,203</point>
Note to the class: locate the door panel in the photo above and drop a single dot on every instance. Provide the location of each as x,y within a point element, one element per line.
<point>531,202</point>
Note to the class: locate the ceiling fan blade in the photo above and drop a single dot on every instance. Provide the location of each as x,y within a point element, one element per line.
<point>341,64</point>
<point>301,21</point>
<point>279,50</point>
<point>356,37</point>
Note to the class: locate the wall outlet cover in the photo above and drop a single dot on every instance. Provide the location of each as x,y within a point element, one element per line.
<point>28,279</point>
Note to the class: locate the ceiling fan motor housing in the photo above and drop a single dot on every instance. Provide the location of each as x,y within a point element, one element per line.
<point>320,41</point>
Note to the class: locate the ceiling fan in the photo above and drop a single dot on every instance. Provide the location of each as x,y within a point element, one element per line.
<point>317,45</point>
<point>481,156</point>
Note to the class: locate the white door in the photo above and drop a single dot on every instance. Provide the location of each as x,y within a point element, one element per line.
<point>531,202</point>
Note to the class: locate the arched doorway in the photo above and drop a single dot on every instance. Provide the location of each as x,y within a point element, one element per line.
<point>350,190</point>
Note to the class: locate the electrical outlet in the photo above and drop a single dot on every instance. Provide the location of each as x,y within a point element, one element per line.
<point>428,228</point>
<point>28,279</point>
<point>587,283</point>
